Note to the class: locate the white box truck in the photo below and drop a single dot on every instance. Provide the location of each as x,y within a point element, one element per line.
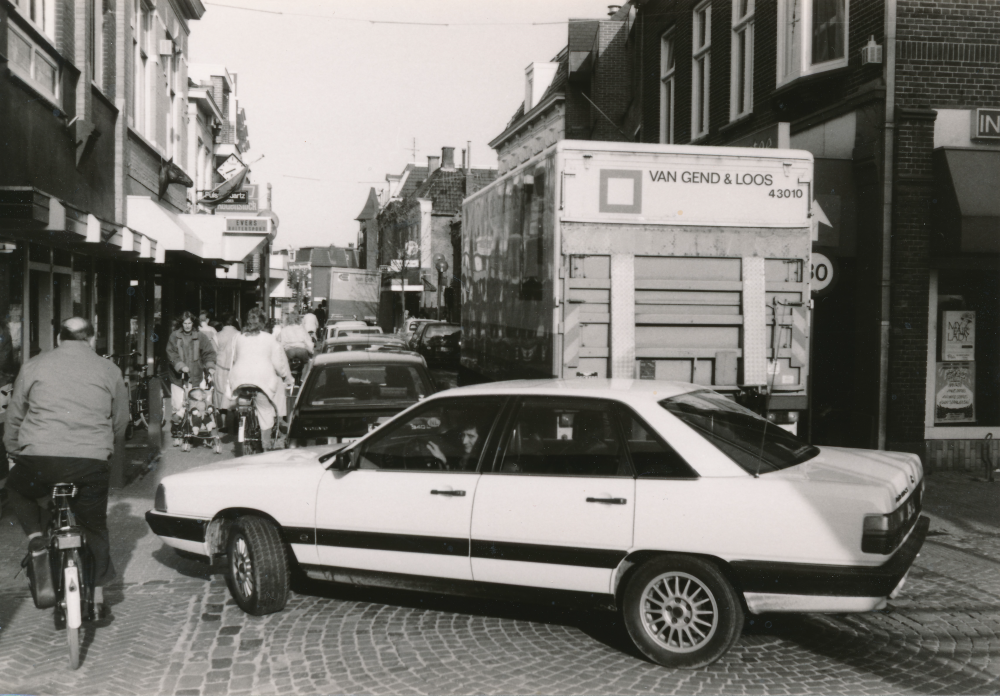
<point>644,261</point>
<point>354,294</point>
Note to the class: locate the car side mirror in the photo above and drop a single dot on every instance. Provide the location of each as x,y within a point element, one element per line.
<point>343,461</point>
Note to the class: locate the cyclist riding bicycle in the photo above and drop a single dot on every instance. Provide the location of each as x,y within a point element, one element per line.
<point>258,361</point>
<point>66,411</point>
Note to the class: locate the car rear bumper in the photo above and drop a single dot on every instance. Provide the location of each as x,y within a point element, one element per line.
<point>807,587</point>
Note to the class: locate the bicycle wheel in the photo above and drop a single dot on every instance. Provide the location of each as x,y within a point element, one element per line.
<point>72,596</point>
<point>253,433</point>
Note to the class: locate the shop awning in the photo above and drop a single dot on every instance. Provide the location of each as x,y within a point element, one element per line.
<point>229,239</point>
<point>967,213</point>
<point>33,215</point>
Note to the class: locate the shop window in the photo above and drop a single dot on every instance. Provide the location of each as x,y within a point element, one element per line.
<point>741,78</point>
<point>812,37</point>
<point>668,72</point>
<point>966,369</point>
<point>39,253</point>
<point>701,68</point>
<point>11,306</point>
<point>61,257</point>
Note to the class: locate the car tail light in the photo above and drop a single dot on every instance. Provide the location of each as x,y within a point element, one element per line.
<point>160,501</point>
<point>882,533</point>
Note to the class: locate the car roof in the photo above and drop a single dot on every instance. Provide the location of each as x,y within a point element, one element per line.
<point>345,323</point>
<point>364,356</point>
<point>628,390</point>
<point>364,339</point>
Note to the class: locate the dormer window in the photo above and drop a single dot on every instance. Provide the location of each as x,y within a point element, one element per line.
<point>812,37</point>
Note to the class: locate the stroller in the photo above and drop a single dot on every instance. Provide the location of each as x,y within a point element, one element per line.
<point>200,423</point>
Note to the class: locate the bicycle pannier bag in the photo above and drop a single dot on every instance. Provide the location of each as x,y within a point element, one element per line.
<point>39,568</point>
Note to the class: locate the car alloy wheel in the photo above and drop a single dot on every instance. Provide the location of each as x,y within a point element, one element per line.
<point>679,612</point>
<point>258,570</point>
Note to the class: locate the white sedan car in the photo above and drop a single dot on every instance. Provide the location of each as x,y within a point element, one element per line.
<point>665,501</point>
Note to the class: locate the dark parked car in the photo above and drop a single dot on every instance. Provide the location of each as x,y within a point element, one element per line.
<point>347,394</point>
<point>440,344</point>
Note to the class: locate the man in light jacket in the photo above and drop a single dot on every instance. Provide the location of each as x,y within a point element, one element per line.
<point>67,408</point>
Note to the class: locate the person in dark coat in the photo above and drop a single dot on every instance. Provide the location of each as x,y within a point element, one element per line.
<point>191,356</point>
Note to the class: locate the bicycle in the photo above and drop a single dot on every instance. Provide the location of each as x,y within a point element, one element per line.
<point>137,384</point>
<point>248,440</point>
<point>58,575</point>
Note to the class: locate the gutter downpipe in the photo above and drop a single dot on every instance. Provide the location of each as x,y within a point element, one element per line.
<point>887,204</point>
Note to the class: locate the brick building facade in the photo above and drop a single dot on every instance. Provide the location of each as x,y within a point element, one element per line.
<point>886,95</point>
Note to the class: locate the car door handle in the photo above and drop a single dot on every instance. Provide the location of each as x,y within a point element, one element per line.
<point>609,501</point>
<point>457,494</point>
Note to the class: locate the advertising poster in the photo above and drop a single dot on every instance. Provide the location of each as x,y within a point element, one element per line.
<point>955,393</point>
<point>959,336</point>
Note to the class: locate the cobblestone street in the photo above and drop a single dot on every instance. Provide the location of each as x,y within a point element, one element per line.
<point>176,631</point>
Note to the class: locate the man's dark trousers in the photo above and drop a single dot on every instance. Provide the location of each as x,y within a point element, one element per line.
<point>33,477</point>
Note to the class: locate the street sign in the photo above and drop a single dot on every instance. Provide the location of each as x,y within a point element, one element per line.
<point>821,274</point>
<point>229,167</point>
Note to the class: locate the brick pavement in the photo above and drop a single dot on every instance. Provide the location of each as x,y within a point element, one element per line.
<point>176,631</point>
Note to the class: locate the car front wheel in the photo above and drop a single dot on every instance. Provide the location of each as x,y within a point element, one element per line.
<point>257,568</point>
<point>681,612</point>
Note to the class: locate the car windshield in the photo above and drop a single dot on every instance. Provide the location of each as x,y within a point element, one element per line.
<point>358,331</point>
<point>433,330</point>
<point>341,347</point>
<point>336,385</point>
<point>754,443</point>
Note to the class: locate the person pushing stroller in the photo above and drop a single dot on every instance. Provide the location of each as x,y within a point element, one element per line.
<point>191,355</point>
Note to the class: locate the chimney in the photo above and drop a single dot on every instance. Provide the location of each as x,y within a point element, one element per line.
<point>432,164</point>
<point>613,10</point>
<point>448,159</point>
<point>463,158</point>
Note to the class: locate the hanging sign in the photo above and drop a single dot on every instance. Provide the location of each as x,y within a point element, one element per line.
<point>229,167</point>
<point>955,393</point>
<point>959,335</point>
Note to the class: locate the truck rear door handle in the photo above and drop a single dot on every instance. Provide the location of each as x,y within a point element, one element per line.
<point>608,501</point>
<point>457,494</point>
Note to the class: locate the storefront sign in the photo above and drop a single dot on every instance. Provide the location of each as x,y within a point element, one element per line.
<point>955,393</point>
<point>242,201</point>
<point>959,336</point>
<point>986,124</point>
<point>252,225</point>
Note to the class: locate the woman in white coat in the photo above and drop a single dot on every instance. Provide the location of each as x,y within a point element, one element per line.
<point>259,361</point>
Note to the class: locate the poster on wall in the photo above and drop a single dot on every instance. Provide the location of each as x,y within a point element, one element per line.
<point>955,393</point>
<point>959,336</point>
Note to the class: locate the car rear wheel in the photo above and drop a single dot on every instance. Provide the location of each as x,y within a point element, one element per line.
<point>257,568</point>
<point>681,612</point>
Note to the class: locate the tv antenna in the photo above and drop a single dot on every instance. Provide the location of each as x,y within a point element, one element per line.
<point>413,150</point>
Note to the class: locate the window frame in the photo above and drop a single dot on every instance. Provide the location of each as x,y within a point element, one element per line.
<point>46,27</point>
<point>741,25</point>
<point>486,460</point>
<point>668,86</point>
<point>29,76</point>
<point>141,82</point>
<point>623,411</point>
<point>805,66</point>
<point>701,69</point>
<point>505,428</point>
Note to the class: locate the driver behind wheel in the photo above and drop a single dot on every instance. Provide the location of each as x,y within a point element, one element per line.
<point>468,437</point>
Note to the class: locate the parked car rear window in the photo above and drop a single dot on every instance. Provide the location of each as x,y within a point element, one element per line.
<point>334,385</point>
<point>433,330</point>
<point>757,445</point>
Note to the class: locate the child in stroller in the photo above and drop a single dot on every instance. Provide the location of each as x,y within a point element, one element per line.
<point>200,422</point>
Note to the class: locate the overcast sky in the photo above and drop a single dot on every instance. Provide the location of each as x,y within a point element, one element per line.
<point>335,104</point>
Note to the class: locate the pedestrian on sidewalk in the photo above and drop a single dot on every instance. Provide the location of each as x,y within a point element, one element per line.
<point>226,338</point>
<point>67,409</point>
<point>190,353</point>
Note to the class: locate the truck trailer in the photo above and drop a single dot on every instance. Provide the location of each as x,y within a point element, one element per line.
<point>636,261</point>
<point>354,294</point>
